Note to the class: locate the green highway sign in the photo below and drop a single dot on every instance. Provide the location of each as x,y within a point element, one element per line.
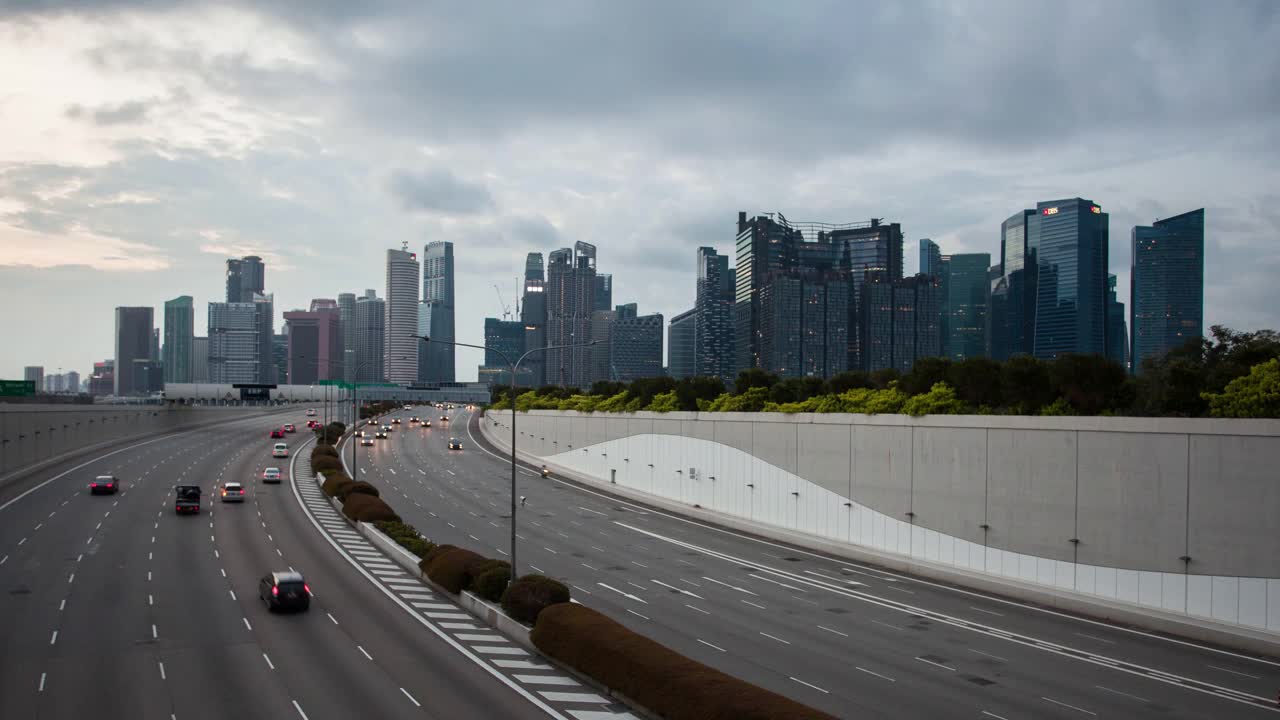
<point>338,383</point>
<point>17,388</point>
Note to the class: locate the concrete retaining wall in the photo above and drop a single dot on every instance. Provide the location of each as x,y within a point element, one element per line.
<point>31,434</point>
<point>1176,515</point>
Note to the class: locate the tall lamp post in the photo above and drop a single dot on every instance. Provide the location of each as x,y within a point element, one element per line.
<point>514,367</point>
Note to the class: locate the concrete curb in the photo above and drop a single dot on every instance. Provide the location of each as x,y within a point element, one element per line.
<point>1086,606</point>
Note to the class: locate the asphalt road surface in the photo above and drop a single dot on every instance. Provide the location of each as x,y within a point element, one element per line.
<point>850,638</point>
<point>114,607</point>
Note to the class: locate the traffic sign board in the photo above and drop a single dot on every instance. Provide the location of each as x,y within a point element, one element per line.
<point>17,388</point>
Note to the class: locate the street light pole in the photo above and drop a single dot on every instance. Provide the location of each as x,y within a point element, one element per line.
<point>514,367</point>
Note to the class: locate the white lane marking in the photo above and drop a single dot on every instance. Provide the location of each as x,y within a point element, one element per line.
<point>331,617</point>
<point>930,662</point>
<point>991,714</point>
<point>298,707</point>
<point>54,639</point>
<point>837,632</point>
<point>704,642</point>
<point>869,672</point>
<point>215,554</point>
<point>772,637</point>
<point>150,600</point>
<point>62,605</point>
<point>406,692</point>
<point>815,687</point>
<point>633,612</point>
<point>72,578</point>
<point>4,560</point>
<point>754,604</point>
<point>994,657</point>
<point>162,676</point>
<point>246,624</point>
<point>633,562</point>
<point>1095,637</point>
<point>1234,672</point>
<point>41,688</point>
<point>223,571</point>
<point>1073,707</point>
<point>733,587</point>
<point>269,663</point>
<point>233,594</point>
<point>1117,692</point>
<point>364,652</point>
<point>553,552</point>
<point>153,631</point>
<point>989,612</point>
<point>24,540</point>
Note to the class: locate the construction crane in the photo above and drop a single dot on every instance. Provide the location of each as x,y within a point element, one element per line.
<point>506,309</point>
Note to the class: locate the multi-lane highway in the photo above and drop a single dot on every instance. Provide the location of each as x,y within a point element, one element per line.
<point>115,607</point>
<point>849,638</point>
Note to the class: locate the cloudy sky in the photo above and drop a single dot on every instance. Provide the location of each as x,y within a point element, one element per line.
<point>144,142</point>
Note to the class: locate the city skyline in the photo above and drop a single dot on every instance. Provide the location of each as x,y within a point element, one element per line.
<point>116,196</point>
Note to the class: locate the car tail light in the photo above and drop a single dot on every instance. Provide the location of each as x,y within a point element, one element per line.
<point>307,588</point>
<point>93,485</point>
<point>274,591</point>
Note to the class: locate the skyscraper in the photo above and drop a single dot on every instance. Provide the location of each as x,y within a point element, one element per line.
<point>1013,291</point>
<point>314,343</point>
<point>264,310</point>
<point>280,356</point>
<point>179,334</point>
<point>629,345</point>
<point>712,343</point>
<point>570,294</point>
<point>436,316</point>
<point>1117,336</point>
<point>400,361</point>
<point>681,355</point>
<point>1070,238</point>
<point>604,291</point>
<point>930,258</point>
<point>966,290</point>
<point>245,276</point>
<point>505,336</point>
<point>34,374</point>
<point>347,326</point>
<point>102,381</point>
<point>235,352</point>
<point>533,313</point>
<point>1166,285</point>
<point>199,360</point>
<point>133,339</point>
<point>370,336</point>
<point>900,320</point>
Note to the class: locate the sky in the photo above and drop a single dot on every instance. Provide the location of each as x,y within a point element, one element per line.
<point>142,143</point>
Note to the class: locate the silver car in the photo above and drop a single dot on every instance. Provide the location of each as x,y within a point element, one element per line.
<point>232,492</point>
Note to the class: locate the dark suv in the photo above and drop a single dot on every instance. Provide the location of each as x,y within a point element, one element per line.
<point>285,591</point>
<point>104,484</point>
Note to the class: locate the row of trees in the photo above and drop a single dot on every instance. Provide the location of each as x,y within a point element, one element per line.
<point>1229,374</point>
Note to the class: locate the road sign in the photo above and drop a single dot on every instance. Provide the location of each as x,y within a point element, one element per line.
<point>17,388</point>
<point>338,383</point>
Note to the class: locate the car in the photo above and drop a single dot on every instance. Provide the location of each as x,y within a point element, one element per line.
<point>104,485</point>
<point>280,450</point>
<point>271,475</point>
<point>381,434</point>
<point>312,424</point>
<point>359,433</point>
<point>232,492</point>
<point>455,444</point>
<point>285,590</point>
<point>444,418</point>
<point>187,499</point>
<point>276,433</point>
<point>426,423</point>
<point>388,428</point>
<point>311,412</point>
<point>366,441</point>
<point>395,421</point>
<point>408,407</point>
<point>289,428</point>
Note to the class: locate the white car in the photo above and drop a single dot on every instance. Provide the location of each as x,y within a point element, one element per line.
<point>271,475</point>
<point>233,492</point>
<point>311,412</point>
<point>280,450</point>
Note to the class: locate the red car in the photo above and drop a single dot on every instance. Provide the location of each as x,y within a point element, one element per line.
<point>289,428</point>
<point>277,433</point>
<point>312,424</point>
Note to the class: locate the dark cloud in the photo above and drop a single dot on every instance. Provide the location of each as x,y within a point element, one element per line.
<point>438,190</point>
<point>133,111</point>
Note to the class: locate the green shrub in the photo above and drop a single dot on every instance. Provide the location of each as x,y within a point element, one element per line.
<point>357,488</point>
<point>334,482</point>
<point>492,579</point>
<point>367,508</point>
<point>664,403</point>
<point>528,596</point>
<point>325,464</point>
<point>452,570</point>
<point>669,684</point>
<point>940,400</point>
<point>434,553</point>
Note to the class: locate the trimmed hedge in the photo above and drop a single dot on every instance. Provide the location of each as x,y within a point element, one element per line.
<point>406,536</point>
<point>528,596</point>
<point>329,450</point>
<point>367,508</point>
<point>358,487</point>
<point>434,553</point>
<point>492,579</point>
<point>452,570</point>
<point>658,678</point>
<point>325,464</point>
<point>334,482</point>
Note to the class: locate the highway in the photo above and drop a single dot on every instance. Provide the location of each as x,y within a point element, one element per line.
<point>115,607</point>
<point>849,638</point>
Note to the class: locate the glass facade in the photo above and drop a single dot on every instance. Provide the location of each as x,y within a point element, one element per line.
<point>1117,338</point>
<point>179,333</point>
<point>966,292</point>
<point>507,337</point>
<point>435,361</point>
<point>234,350</point>
<point>713,340</point>
<point>1166,294</point>
<point>930,257</point>
<point>1070,239</point>
<point>681,356</point>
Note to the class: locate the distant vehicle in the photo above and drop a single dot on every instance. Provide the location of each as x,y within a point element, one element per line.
<point>366,441</point>
<point>311,412</point>
<point>381,434</point>
<point>455,444</point>
<point>104,485</point>
<point>426,423</point>
<point>233,492</point>
<point>188,499</point>
<point>280,450</point>
<point>289,428</point>
<point>271,475</point>
<point>388,428</point>
<point>276,433</point>
<point>413,419</point>
<point>284,591</point>
<point>312,424</point>
<point>395,421</point>
<point>444,418</point>
<point>408,407</point>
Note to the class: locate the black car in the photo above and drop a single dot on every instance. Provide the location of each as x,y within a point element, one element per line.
<point>455,444</point>
<point>107,484</point>
<point>284,590</point>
